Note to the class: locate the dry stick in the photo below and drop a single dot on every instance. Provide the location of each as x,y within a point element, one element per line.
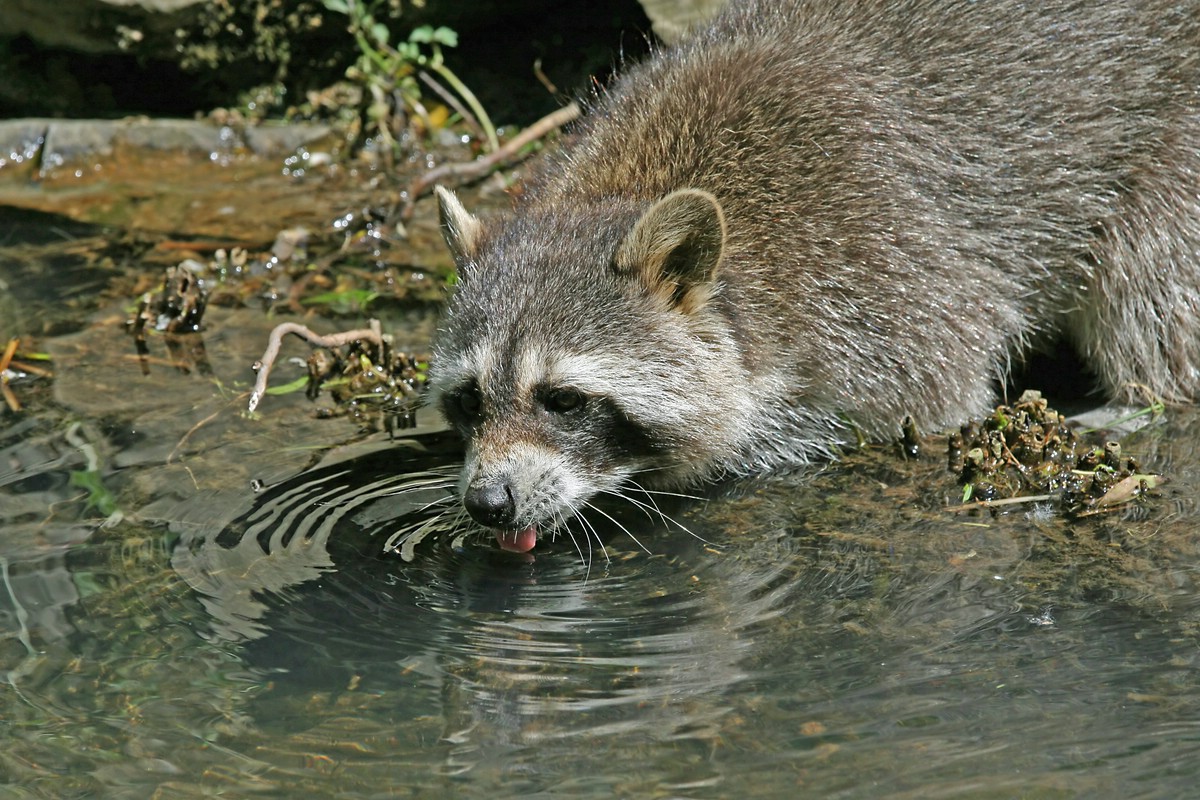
<point>9,352</point>
<point>1006,501</point>
<point>449,99</point>
<point>9,398</point>
<point>179,445</point>
<point>470,170</point>
<point>543,77</point>
<point>264,364</point>
<point>23,366</point>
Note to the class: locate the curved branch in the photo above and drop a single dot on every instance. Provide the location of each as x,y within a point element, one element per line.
<point>264,364</point>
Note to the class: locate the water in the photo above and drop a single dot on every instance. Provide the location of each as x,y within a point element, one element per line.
<point>195,603</point>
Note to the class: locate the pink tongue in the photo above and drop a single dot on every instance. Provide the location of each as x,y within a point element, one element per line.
<point>518,541</point>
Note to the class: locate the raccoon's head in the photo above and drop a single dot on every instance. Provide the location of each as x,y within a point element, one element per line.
<point>581,350</point>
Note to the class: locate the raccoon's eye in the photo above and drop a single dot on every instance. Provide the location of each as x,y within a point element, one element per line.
<point>564,400</point>
<point>469,403</point>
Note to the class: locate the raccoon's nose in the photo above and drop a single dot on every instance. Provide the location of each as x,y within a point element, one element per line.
<point>491,504</point>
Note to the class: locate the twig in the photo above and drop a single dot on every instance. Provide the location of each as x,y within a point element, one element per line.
<point>1007,501</point>
<point>445,73</point>
<point>10,398</point>
<point>449,99</point>
<point>9,352</point>
<point>188,435</point>
<point>543,77</point>
<point>462,172</point>
<point>264,364</point>
<point>24,366</point>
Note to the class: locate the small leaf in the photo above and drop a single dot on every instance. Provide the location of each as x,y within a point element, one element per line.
<point>347,297</point>
<point>422,35</point>
<point>337,6</point>
<point>445,36</point>
<point>380,32</point>
<point>288,388</point>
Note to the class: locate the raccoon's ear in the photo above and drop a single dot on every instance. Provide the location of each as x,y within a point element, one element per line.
<point>676,247</point>
<point>460,228</point>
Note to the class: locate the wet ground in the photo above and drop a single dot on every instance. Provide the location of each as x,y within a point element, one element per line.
<point>196,601</point>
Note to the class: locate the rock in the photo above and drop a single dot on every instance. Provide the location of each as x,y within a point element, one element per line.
<point>671,18</point>
<point>56,141</point>
<point>93,26</point>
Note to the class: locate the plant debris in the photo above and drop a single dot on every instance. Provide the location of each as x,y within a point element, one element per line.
<point>368,380</point>
<point>13,369</point>
<point>176,310</point>
<point>178,305</point>
<point>1028,453</point>
<point>386,388</point>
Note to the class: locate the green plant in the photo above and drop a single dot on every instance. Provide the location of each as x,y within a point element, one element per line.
<point>393,73</point>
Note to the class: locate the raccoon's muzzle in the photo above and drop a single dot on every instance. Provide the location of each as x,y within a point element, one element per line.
<point>493,504</point>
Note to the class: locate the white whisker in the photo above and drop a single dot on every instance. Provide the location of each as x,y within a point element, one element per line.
<point>646,506</point>
<point>560,520</point>
<point>438,501</point>
<point>662,493</point>
<point>589,534</point>
<point>611,519</point>
<point>420,485</point>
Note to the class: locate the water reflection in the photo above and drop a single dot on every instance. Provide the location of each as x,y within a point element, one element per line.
<point>555,647</point>
<point>807,637</point>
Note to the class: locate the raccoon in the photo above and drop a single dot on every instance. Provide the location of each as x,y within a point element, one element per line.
<point>813,218</point>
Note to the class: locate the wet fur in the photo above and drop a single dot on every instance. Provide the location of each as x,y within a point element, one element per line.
<point>908,196</point>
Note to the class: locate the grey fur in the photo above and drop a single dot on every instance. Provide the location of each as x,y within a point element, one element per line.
<point>909,194</point>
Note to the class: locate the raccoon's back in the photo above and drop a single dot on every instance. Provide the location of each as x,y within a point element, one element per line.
<point>1022,112</point>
